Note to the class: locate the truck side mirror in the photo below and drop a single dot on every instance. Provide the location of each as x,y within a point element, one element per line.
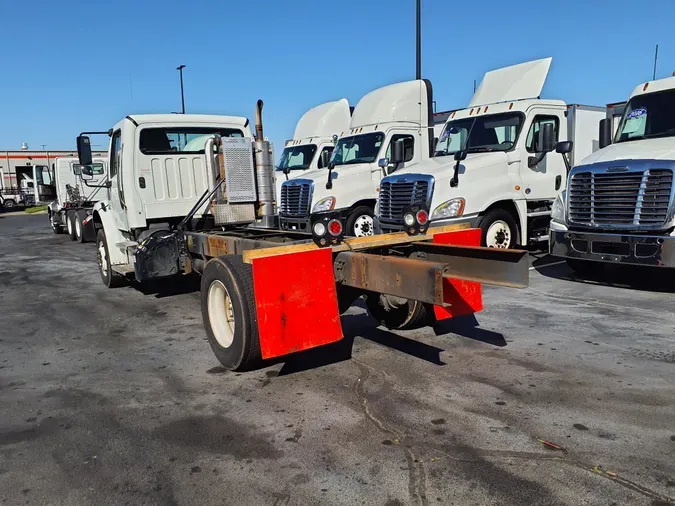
<point>605,132</point>
<point>460,155</point>
<point>325,157</point>
<point>383,162</point>
<point>86,172</point>
<point>564,147</point>
<point>397,152</point>
<point>546,142</point>
<point>84,150</point>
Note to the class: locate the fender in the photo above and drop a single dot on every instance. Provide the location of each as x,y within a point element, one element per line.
<point>103,219</point>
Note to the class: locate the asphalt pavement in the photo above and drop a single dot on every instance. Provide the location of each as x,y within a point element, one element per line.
<point>561,393</point>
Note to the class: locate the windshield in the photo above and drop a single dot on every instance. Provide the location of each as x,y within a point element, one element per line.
<point>648,116</point>
<point>357,149</point>
<point>494,132</point>
<point>297,157</point>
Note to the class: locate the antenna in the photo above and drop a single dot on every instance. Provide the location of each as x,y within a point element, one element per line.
<point>656,57</point>
<point>474,86</point>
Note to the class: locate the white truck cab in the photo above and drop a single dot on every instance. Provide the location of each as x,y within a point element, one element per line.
<point>349,185</point>
<point>620,203</point>
<point>157,173</point>
<point>493,165</point>
<point>75,197</point>
<point>315,134</point>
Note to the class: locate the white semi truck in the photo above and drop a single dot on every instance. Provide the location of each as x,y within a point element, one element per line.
<point>75,198</point>
<point>315,134</point>
<point>619,206</point>
<point>350,183</point>
<point>493,165</point>
<point>267,293</point>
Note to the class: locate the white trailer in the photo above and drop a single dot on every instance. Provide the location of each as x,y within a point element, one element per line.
<point>75,198</point>
<point>493,167</point>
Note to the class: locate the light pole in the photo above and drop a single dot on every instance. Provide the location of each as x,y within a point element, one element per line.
<point>419,40</point>
<point>182,95</point>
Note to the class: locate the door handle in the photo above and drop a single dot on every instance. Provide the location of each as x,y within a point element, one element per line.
<point>141,182</point>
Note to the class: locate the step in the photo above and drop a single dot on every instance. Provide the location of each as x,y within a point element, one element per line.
<point>126,244</point>
<point>538,213</point>
<point>123,269</point>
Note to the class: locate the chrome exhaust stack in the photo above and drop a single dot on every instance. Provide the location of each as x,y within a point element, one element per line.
<point>264,169</point>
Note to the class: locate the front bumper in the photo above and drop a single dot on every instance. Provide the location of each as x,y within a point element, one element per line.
<point>383,227</point>
<point>296,224</point>
<point>654,251</point>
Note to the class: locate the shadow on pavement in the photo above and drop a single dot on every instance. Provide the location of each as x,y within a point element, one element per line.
<point>629,277</point>
<point>161,288</point>
<point>468,326</point>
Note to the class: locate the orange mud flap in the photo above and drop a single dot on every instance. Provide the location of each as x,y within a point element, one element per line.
<point>296,302</point>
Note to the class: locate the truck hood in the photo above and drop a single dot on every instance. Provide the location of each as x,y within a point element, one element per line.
<point>662,148</point>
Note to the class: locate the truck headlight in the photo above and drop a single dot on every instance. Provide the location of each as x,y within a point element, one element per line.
<point>558,209</point>
<point>449,209</point>
<point>327,204</point>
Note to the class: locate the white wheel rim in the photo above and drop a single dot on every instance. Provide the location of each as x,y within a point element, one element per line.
<point>363,226</point>
<point>70,225</point>
<point>103,259</point>
<point>78,228</point>
<point>221,314</point>
<point>498,235</point>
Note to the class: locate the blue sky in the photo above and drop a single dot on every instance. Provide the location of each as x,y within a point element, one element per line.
<point>72,65</point>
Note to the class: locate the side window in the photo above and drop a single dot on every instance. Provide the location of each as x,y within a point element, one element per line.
<point>330,150</point>
<point>114,152</point>
<point>408,146</point>
<point>533,134</point>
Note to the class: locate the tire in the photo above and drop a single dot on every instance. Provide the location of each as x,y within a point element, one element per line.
<point>79,227</point>
<point>499,229</point>
<point>70,223</point>
<point>110,278</point>
<point>584,268</point>
<point>229,313</point>
<point>9,204</point>
<point>409,314</point>
<point>360,222</point>
<point>56,227</point>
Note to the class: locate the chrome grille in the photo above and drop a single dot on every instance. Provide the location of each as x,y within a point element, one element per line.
<point>396,196</point>
<point>295,199</point>
<point>620,199</point>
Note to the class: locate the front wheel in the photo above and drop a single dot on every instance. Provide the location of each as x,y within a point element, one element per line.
<point>9,204</point>
<point>229,312</point>
<point>56,227</point>
<point>498,229</point>
<point>110,278</point>
<point>397,313</point>
<point>360,222</point>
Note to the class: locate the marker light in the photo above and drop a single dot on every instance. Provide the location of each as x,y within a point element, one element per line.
<point>334,227</point>
<point>319,229</point>
<point>422,217</point>
<point>409,219</point>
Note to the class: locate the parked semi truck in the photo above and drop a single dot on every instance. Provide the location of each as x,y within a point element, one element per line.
<point>494,166</point>
<point>619,206</point>
<point>75,198</point>
<point>315,136</point>
<point>266,292</point>
<point>349,186</point>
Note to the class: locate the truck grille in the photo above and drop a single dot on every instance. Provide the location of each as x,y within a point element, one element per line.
<point>295,199</point>
<point>623,199</point>
<point>395,197</point>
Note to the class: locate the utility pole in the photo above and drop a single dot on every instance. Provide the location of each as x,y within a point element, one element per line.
<point>418,74</point>
<point>182,95</point>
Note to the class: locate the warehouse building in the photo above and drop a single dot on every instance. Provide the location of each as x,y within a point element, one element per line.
<point>14,164</point>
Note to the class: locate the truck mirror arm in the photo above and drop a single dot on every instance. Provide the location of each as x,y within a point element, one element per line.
<point>533,161</point>
<point>454,182</point>
<point>329,183</point>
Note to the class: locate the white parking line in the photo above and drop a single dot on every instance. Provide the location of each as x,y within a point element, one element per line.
<point>547,265</point>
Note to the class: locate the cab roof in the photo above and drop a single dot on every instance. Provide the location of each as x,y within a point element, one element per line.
<point>140,119</point>
<point>667,83</point>
<point>324,120</point>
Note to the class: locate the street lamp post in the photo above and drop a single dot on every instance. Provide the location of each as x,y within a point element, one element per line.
<point>182,95</point>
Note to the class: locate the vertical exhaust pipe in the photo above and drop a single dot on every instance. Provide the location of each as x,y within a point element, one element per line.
<point>264,171</point>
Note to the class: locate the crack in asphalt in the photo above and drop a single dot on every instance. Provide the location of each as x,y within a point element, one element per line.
<point>417,476</point>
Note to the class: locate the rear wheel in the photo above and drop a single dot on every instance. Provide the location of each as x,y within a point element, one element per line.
<point>110,278</point>
<point>499,229</point>
<point>70,223</point>
<point>360,222</point>
<point>397,313</point>
<point>229,312</point>
<point>9,204</point>
<point>79,227</point>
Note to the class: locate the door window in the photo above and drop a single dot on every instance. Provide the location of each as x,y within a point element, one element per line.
<point>408,146</point>
<point>116,144</point>
<point>533,134</point>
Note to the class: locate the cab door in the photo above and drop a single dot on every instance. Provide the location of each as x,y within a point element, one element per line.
<point>116,191</point>
<point>544,180</point>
